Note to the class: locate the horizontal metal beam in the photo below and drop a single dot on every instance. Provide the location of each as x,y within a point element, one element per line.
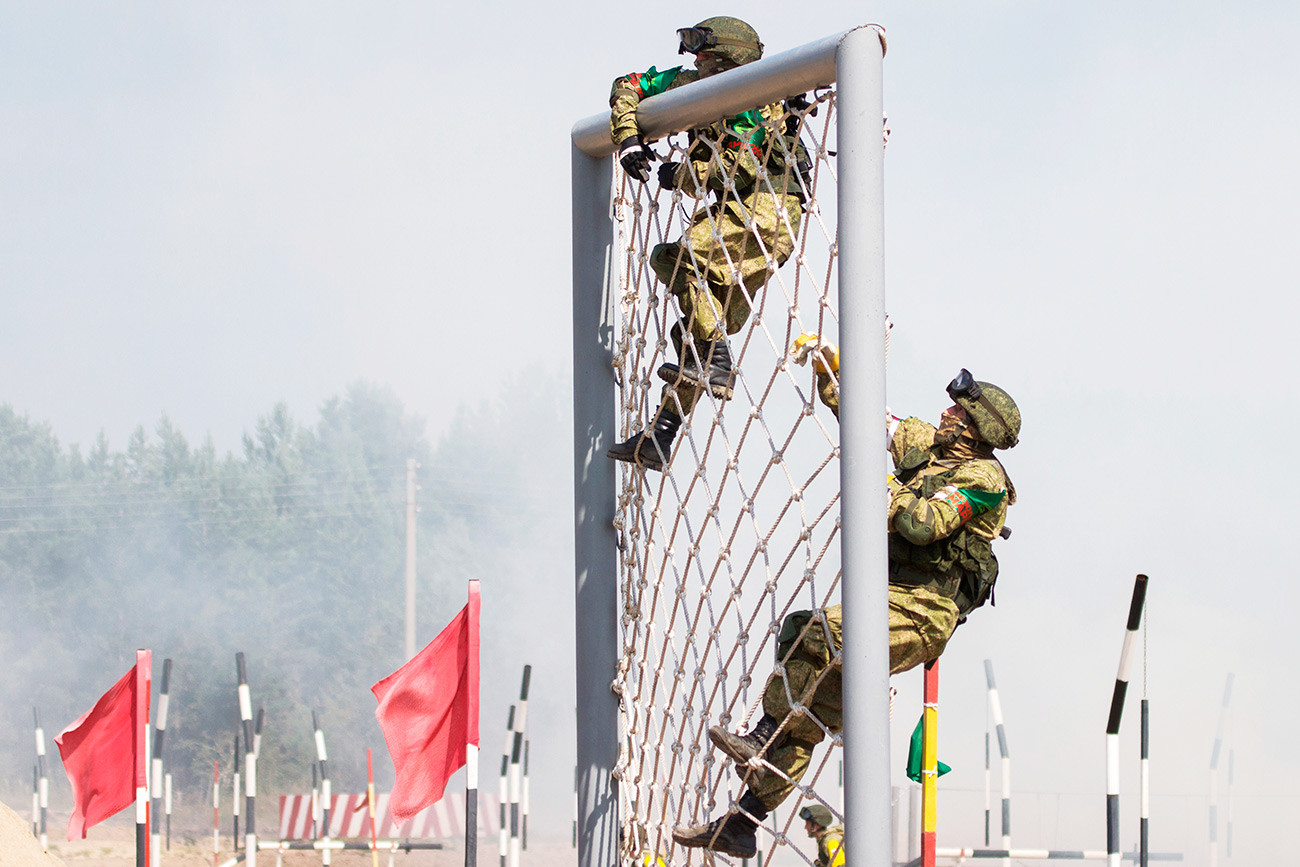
<point>769,80</point>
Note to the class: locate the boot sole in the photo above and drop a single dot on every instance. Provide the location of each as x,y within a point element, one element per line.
<point>702,842</point>
<point>719,737</point>
<point>622,457</point>
<point>672,374</point>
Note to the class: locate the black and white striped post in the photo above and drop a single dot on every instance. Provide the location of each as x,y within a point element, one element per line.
<point>988,780</point>
<point>234,807</point>
<point>995,707</point>
<point>516,766</point>
<point>503,789</point>
<point>167,806</point>
<point>523,808</point>
<point>1214,773</point>
<point>216,812</point>
<point>43,781</point>
<point>250,763</point>
<point>156,760</point>
<point>1144,781</point>
<point>257,732</point>
<point>1112,722</point>
<point>36,802</point>
<point>324,830</point>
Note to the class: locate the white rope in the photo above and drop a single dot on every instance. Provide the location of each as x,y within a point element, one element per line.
<point>742,526</point>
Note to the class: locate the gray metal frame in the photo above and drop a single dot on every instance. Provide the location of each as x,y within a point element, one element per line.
<point>854,60</point>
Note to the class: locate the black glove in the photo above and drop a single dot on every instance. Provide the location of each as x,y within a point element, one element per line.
<point>635,158</point>
<point>668,175</point>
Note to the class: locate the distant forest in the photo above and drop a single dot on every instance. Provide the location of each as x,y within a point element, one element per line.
<point>292,551</point>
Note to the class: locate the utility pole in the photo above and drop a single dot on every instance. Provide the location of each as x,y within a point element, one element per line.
<point>411,488</point>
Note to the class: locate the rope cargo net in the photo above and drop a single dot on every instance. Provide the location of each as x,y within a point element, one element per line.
<point>741,526</point>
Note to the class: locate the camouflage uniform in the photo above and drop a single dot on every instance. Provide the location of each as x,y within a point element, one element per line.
<point>971,505</point>
<point>732,244</point>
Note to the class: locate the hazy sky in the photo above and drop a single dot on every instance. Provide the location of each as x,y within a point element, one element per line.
<point>205,209</point>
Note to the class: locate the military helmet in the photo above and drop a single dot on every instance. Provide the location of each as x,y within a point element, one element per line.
<point>817,813</point>
<point>992,411</point>
<point>722,35</point>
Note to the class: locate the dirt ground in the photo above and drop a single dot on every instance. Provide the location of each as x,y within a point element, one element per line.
<point>112,844</point>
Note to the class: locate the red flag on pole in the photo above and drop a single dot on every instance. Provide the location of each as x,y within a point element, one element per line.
<point>428,711</point>
<point>103,751</point>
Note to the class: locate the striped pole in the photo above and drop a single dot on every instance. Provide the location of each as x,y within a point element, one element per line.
<point>995,707</point>
<point>167,805</point>
<point>156,777</point>
<point>234,808</point>
<point>216,813</point>
<point>472,742</point>
<point>575,808</point>
<point>1228,831</point>
<point>523,808</point>
<point>1144,782</point>
<point>36,802</point>
<point>143,688</point>
<point>988,780</point>
<point>516,764</point>
<point>503,789</point>
<point>324,789</point>
<point>1214,773</point>
<point>370,803</point>
<point>1112,723</point>
<point>44,784</point>
<point>250,763</point>
<point>257,731</point>
<point>315,803</point>
<point>930,764</point>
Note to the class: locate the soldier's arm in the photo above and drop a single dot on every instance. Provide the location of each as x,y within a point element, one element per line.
<point>925,520</point>
<point>627,92</point>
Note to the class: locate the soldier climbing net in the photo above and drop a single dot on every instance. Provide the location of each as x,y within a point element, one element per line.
<point>742,526</point>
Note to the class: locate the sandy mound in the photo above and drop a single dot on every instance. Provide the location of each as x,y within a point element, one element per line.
<point>17,845</point>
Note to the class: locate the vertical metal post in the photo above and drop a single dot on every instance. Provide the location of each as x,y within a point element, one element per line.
<point>1113,721</point>
<point>1144,783</point>
<point>1214,773</point>
<point>156,775</point>
<point>43,786</point>
<point>595,549</point>
<point>140,718</point>
<point>326,797</point>
<point>516,769</point>
<point>860,198</point>
<point>930,765</point>
<point>410,557</point>
<point>995,707</point>
<point>250,763</point>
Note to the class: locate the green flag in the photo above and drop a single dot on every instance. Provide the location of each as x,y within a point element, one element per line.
<point>914,755</point>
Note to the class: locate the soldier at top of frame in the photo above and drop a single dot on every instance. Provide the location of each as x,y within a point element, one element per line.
<point>749,204</point>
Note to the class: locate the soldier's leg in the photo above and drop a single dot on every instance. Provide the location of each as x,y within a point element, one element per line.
<point>920,624</point>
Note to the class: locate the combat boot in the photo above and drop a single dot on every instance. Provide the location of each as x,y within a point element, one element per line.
<point>650,449</point>
<point>742,748</point>
<point>718,375</point>
<point>732,834</point>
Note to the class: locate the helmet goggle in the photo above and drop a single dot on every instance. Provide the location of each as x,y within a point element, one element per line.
<point>964,385</point>
<point>806,815</point>
<point>695,39</point>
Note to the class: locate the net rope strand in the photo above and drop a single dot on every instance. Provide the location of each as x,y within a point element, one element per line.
<point>742,527</point>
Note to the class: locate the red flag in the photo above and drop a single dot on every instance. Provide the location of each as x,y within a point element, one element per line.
<point>99,753</point>
<point>428,711</point>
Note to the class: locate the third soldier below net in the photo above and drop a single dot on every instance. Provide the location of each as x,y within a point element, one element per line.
<point>948,501</point>
<point>734,240</point>
<point>818,822</point>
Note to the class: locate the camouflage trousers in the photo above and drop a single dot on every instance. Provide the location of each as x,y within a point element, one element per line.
<point>807,701</point>
<point>722,261</point>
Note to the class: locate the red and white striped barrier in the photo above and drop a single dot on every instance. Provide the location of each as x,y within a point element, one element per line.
<point>349,817</point>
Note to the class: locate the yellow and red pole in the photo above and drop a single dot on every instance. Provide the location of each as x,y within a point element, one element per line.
<point>930,764</point>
